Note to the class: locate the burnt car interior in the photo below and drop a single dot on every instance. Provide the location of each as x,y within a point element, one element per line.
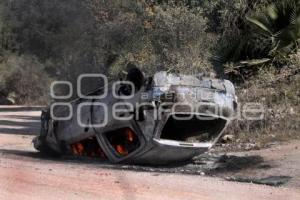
<point>88,148</point>
<point>193,130</point>
<point>124,141</point>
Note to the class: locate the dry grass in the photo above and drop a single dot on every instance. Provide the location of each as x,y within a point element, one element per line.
<point>278,92</point>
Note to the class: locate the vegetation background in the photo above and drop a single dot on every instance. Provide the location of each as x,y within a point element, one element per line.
<point>254,43</point>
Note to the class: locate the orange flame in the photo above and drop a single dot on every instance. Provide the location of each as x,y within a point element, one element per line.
<point>78,149</point>
<point>121,150</point>
<point>130,135</point>
<point>83,148</point>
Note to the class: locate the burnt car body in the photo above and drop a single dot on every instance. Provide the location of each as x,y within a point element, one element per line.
<point>163,119</point>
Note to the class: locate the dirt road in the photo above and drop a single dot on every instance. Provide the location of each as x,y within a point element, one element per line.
<point>26,175</point>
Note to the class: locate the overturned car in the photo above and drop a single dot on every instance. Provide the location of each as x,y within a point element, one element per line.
<point>156,120</point>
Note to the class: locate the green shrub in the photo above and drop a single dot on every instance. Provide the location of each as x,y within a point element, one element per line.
<point>155,37</point>
<point>23,79</point>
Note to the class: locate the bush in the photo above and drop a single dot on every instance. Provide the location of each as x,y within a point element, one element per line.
<point>23,79</point>
<point>155,37</point>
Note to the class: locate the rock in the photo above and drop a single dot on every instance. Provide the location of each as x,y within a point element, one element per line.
<point>252,146</point>
<point>292,111</point>
<point>227,138</point>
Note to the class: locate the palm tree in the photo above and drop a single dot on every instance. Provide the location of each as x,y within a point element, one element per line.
<point>280,24</point>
